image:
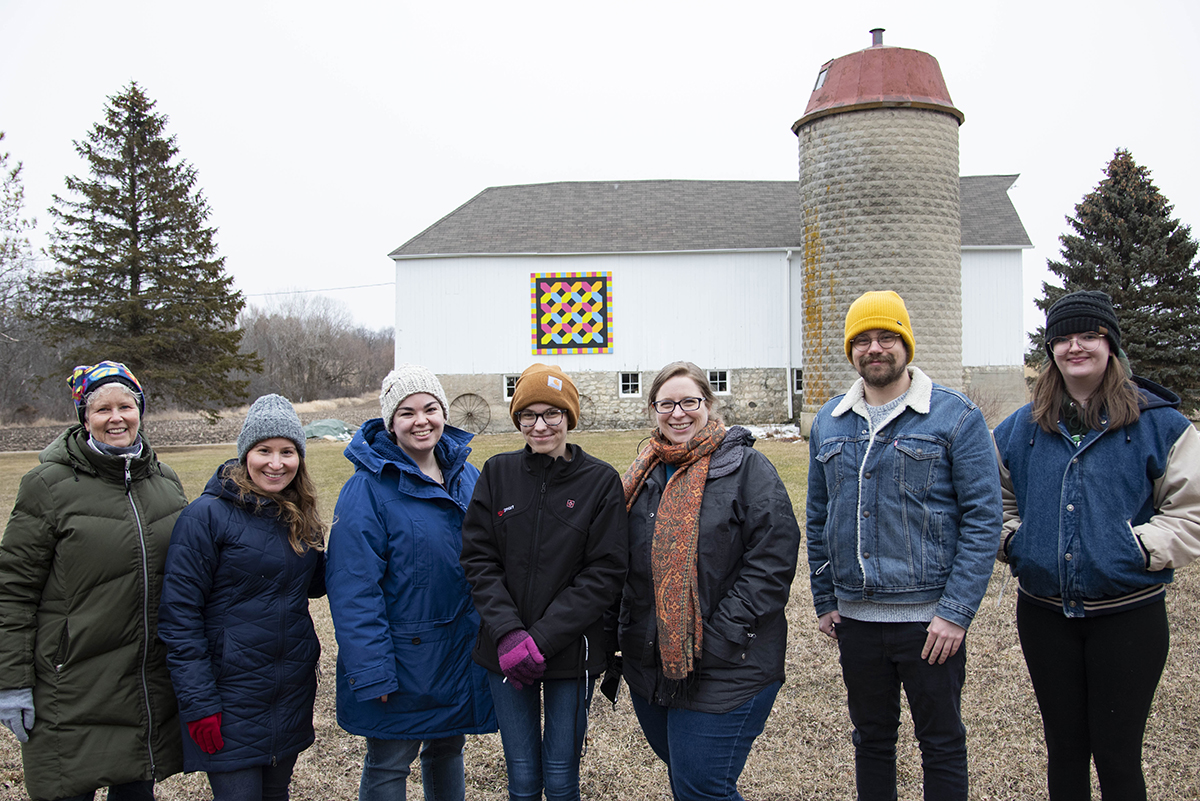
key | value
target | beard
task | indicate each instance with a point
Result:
(880, 371)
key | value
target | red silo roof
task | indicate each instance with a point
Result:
(878, 77)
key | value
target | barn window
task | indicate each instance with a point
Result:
(798, 380)
(631, 385)
(719, 381)
(510, 386)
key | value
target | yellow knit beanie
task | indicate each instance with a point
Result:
(884, 311)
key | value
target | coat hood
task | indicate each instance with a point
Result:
(372, 449)
(727, 458)
(71, 448)
(1155, 395)
(221, 486)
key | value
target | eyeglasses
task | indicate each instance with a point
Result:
(887, 340)
(528, 418)
(668, 406)
(1087, 341)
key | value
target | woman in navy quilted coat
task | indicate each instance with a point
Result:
(245, 557)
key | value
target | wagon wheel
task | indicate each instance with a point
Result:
(470, 413)
(587, 413)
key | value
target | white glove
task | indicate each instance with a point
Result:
(16, 711)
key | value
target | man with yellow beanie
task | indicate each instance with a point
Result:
(904, 517)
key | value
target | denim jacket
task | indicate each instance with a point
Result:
(1103, 523)
(909, 515)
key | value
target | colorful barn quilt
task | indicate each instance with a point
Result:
(572, 312)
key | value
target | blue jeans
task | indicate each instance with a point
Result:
(258, 783)
(704, 751)
(130, 791)
(388, 763)
(877, 658)
(541, 756)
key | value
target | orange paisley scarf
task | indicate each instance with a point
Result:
(673, 549)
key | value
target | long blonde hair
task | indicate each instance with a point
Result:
(297, 506)
(1115, 399)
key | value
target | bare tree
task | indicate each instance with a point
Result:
(23, 355)
(16, 254)
(311, 349)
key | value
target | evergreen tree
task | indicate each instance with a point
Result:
(139, 280)
(1126, 243)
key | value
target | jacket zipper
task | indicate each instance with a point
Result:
(137, 519)
(537, 535)
(287, 580)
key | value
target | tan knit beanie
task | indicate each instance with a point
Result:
(546, 383)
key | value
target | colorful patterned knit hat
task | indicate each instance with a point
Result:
(86, 379)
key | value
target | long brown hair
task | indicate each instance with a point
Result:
(1115, 399)
(297, 506)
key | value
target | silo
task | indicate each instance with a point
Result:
(879, 200)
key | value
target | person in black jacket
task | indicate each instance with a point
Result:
(713, 548)
(544, 549)
(245, 557)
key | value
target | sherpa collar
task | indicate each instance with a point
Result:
(917, 399)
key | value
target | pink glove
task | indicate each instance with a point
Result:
(207, 733)
(520, 659)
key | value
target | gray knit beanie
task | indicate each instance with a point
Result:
(405, 380)
(270, 416)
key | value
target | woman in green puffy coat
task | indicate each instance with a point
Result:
(83, 676)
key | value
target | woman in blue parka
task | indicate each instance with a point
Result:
(401, 605)
(245, 557)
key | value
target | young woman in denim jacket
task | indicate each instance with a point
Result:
(1102, 502)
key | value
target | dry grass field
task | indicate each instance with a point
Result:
(805, 752)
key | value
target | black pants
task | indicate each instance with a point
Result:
(1094, 678)
(877, 660)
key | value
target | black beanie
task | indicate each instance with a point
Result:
(1087, 310)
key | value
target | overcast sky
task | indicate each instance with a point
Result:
(326, 135)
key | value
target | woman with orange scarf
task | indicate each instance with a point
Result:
(713, 544)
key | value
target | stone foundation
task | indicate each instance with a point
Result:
(998, 391)
(756, 396)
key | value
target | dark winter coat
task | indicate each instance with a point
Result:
(747, 549)
(545, 547)
(401, 605)
(80, 576)
(239, 636)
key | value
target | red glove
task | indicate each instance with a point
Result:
(207, 733)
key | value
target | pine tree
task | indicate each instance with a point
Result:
(1126, 243)
(139, 280)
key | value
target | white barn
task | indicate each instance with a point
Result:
(707, 271)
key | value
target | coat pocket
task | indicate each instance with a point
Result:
(916, 464)
(429, 659)
(831, 465)
(64, 645)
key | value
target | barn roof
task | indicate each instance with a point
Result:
(666, 216)
(987, 216)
